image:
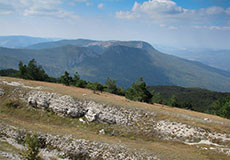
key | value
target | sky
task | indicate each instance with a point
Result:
(176, 23)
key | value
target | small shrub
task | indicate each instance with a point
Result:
(33, 144)
(20, 138)
(12, 104)
(79, 156)
(132, 138)
(1, 135)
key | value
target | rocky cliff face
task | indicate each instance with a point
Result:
(158, 125)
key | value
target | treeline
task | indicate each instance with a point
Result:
(110, 85)
(196, 99)
(32, 71)
(8, 72)
(138, 92)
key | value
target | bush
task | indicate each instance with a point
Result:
(173, 102)
(20, 138)
(95, 86)
(78, 156)
(65, 79)
(221, 107)
(12, 104)
(138, 92)
(33, 144)
(157, 98)
(111, 86)
(81, 83)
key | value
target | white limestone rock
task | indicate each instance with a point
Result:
(63, 105)
(2, 92)
(68, 106)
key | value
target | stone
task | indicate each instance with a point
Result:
(68, 106)
(81, 120)
(102, 131)
(63, 105)
(2, 92)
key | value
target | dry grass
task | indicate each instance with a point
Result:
(8, 148)
(163, 149)
(163, 111)
(40, 121)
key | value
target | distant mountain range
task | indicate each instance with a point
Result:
(21, 41)
(123, 61)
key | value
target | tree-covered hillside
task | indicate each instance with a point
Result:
(124, 62)
(200, 99)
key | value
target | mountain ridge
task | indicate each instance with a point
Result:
(21, 41)
(123, 61)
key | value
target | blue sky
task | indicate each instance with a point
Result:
(177, 23)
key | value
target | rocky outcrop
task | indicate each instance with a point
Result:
(140, 120)
(19, 84)
(68, 106)
(9, 156)
(176, 130)
(95, 150)
(60, 104)
(132, 122)
(2, 92)
(70, 147)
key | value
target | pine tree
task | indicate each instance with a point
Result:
(22, 70)
(173, 102)
(65, 79)
(111, 86)
(139, 92)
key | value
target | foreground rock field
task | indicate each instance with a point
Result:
(103, 126)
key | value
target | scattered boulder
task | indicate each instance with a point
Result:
(2, 92)
(81, 120)
(102, 131)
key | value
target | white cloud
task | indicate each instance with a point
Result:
(88, 4)
(74, 2)
(5, 8)
(50, 8)
(228, 11)
(172, 28)
(5, 12)
(127, 15)
(157, 7)
(212, 28)
(215, 10)
(168, 12)
(152, 9)
(100, 6)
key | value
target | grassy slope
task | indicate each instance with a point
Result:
(36, 120)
